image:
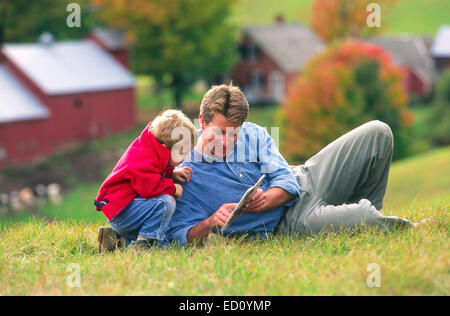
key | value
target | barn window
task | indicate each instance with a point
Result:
(256, 80)
(3, 153)
(78, 103)
(249, 52)
(253, 53)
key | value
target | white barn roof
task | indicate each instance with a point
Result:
(17, 103)
(69, 67)
(289, 45)
(441, 45)
(408, 51)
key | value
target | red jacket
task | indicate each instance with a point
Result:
(142, 171)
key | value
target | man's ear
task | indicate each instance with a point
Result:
(202, 122)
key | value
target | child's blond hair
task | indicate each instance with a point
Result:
(164, 124)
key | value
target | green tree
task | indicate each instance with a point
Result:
(25, 20)
(440, 115)
(176, 42)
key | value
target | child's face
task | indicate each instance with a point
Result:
(179, 154)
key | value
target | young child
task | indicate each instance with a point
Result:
(138, 196)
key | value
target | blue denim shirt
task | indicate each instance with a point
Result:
(216, 181)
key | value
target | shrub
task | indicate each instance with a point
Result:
(440, 116)
(349, 84)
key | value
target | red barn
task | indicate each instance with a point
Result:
(412, 54)
(272, 56)
(57, 93)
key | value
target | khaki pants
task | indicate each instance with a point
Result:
(343, 186)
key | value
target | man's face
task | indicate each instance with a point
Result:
(219, 136)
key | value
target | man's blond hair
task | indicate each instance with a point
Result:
(227, 100)
(164, 124)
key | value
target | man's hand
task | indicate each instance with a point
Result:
(220, 217)
(258, 202)
(178, 191)
(200, 231)
(182, 175)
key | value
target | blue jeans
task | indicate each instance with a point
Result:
(145, 218)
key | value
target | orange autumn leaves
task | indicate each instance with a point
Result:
(333, 19)
(345, 86)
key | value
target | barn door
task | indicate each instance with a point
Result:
(81, 118)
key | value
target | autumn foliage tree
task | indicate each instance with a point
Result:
(25, 20)
(176, 42)
(332, 19)
(349, 84)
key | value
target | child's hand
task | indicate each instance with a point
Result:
(178, 191)
(182, 175)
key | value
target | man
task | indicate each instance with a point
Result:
(342, 187)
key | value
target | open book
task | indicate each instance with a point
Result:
(244, 200)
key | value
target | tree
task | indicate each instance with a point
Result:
(349, 84)
(25, 21)
(176, 42)
(333, 19)
(440, 115)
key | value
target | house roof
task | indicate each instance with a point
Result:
(69, 67)
(289, 45)
(441, 45)
(17, 103)
(408, 51)
(113, 39)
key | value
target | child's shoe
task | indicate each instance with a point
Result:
(109, 240)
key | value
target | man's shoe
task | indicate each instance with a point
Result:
(143, 245)
(109, 240)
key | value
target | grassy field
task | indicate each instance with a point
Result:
(35, 256)
(407, 16)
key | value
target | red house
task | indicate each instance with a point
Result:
(412, 54)
(57, 93)
(272, 56)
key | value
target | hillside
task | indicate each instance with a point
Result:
(407, 16)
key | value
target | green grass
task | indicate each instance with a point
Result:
(418, 16)
(164, 99)
(419, 179)
(35, 256)
(407, 16)
(255, 12)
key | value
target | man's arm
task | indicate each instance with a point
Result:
(283, 187)
(270, 199)
(200, 231)
(262, 201)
